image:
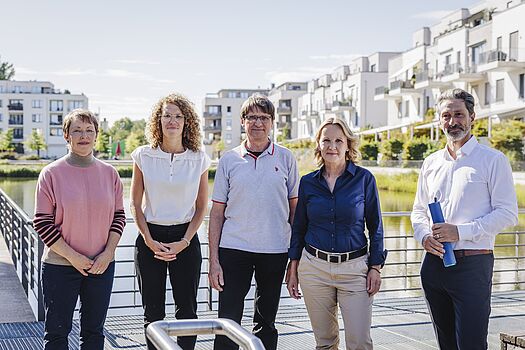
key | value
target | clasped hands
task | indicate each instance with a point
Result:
(166, 251)
(433, 243)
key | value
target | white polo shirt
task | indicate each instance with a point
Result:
(256, 191)
(170, 187)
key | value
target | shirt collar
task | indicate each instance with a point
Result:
(270, 149)
(350, 168)
(465, 150)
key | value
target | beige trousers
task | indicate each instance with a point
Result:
(324, 285)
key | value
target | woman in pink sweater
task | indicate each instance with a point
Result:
(79, 216)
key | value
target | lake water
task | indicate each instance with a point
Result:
(403, 260)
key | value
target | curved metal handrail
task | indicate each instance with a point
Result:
(160, 332)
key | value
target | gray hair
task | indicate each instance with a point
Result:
(456, 94)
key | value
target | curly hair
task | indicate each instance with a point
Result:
(353, 153)
(191, 136)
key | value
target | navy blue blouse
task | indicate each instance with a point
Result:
(335, 222)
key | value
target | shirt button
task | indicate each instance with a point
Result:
(332, 209)
(331, 222)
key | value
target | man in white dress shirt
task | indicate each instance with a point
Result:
(473, 183)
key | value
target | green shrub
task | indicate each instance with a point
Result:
(9, 155)
(416, 148)
(30, 157)
(391, 149)
(369, 150)
(507, 137)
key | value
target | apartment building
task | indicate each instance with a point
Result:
(479, 49)
(221, 118)
(285, 98)
(346, 93)
(35, 105)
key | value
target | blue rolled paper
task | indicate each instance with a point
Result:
(437, 217)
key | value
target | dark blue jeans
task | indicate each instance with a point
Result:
(61, 287)
(238, 269)
(458, 298)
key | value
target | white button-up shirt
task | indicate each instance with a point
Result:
(476, 193)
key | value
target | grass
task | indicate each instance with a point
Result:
(398, 182)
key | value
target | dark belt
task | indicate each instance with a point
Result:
(461, 253)
(338, 257)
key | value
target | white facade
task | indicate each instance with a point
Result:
(346, 93)
(285, 98)
(34, 105)
(480, 49)
(221, 118)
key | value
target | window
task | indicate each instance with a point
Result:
(373, 68)
(0, 103)
(475, 53)
(487, 93)
(36, 104)
(75, 104)
(16, 119)
(56, 105)
(35, 89)
(419, 105)
(18, 133)
(513, 46)
(18, 89)
(499, 43)
(458, 58)
(447, 60)
(38, 130)
(356, 124)
(499, 90)
(55, 131)
(37, 118)
(522, 85)
(244, 95)
(228, 138)
(407, 108)
(214, 109)
(232, 94)
(1, 117)
(228, 109)
(228, 124)
(399, 113)
(55, 119)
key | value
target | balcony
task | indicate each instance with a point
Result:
(340, 106)
(212, 127)
(498, 61)
(284, 110)
(15, 107)
(16, 121)
(425, 80)
(382, 93)
(212, 115)
(456, 73)
(402, 87)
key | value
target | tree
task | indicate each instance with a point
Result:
(102, 144)
(6, 141)
(7, 71)
(507, 137)
(134, 140)
(121, 129)
(391, 149)
(36, 142)
(219, 147)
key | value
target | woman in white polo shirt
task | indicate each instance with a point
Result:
(169, 194)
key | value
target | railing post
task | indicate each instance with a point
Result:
(24, 256)
(41, 312)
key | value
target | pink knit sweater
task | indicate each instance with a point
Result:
(81, 205)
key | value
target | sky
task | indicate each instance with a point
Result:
(125, 55)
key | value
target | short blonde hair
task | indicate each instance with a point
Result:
(191, 136)
(353, 153)
(82, 114)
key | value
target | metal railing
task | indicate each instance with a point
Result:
(160, 332)
(400, 275)
(381, 90)
(492, 56)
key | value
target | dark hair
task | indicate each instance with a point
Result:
(456, 94)
(258, 102)
(82, 114)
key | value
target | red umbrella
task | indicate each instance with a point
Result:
(118, 152)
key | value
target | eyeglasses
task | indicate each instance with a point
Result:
(254, 118)
(79, 133)
(177, 118)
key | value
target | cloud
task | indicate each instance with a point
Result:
(24, 70)
(432, 15)
(348, 57)
(135, 62)
(75, 72)
(300, 74)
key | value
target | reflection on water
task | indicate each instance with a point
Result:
(403, 259)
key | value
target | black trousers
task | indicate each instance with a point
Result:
(184, 273)
(238, 268)
(458, 299)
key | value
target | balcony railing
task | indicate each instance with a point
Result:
(212, 128)
(56, 109)
(212, 114)
(492, 56)
(15, 107)
(347, 103)
(401, 84)
(423, 76)
(16, 121)
(382, 90)
(284, 109)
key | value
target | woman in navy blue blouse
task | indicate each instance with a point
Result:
(331, 257)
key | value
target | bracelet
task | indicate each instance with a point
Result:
(186, 240)
(374, 268)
